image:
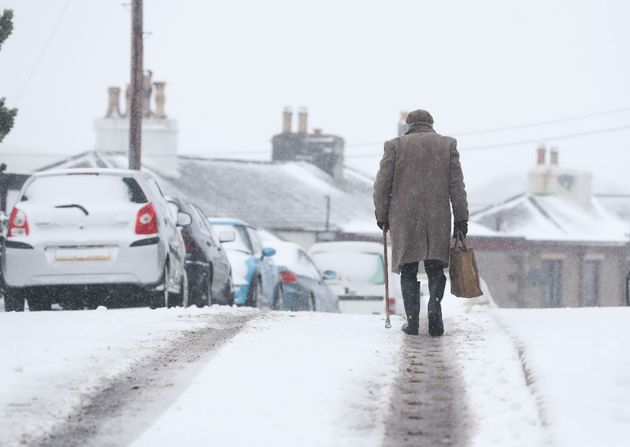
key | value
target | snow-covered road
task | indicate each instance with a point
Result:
(239, 377)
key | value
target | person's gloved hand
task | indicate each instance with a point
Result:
(383, 225)
(460, 226)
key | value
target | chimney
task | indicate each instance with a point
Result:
(287, 117)
(127, 101)
(317, 132)
(554, 156)
(113, 106)
(160, 99)
(402, 124)
(542, 154)
(302, 120)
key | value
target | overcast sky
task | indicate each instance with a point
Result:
(232, 66)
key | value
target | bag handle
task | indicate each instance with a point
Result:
(459, 237)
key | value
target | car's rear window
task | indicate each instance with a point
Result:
(85, 188)
(352, 266)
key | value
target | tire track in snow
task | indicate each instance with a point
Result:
(428, 403)
(126, 406)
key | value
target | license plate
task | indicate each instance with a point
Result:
(82, 254)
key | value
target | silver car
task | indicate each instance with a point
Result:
(90, 230)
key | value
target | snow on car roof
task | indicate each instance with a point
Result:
(227, 221)
(374, 247)
(86, 171)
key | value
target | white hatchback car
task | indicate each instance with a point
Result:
(355, 273)
(89, 230)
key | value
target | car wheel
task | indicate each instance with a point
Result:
(228, 292)
(206, 296)
(255, 292)
(279, 299)
(311, 303)
(181, 298)
(39, 303)
(13, 301)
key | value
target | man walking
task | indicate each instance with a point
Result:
(420, 177)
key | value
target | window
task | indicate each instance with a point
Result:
(253, 237)
(84, 189)
(590, 282)
(310, 269)
(552, 283)
(241, 241)
(352, 266)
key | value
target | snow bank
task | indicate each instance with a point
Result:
(579, 364)
(50, 361)
(287, 379)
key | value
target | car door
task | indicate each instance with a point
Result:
(168, 220)
(325, 299)
(220, 263)
(267, 268)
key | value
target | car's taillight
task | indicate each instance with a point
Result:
(288, 277)
(391, 303)
(18, 224)
(146, 221)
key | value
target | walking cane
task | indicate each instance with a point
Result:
(387, 322)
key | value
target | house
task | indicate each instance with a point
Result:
(555, 245)
(304, 194)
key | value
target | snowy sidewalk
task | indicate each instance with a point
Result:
(578, 363)
(51, 363)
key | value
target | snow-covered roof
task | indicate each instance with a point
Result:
(276, 195)
(552, 218)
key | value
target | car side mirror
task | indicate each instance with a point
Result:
(227, 236)
(329, 275)
(183, 219)
(268, 252)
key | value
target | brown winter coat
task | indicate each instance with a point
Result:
(419, 178)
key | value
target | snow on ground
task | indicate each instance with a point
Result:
(51, 360)
(289, 379)
(579, 363)
(503, 411)
(532, 377)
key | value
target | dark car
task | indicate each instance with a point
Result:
(207, 266)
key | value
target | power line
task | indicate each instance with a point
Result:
(543, 123)
(517, 126)
(42, 53)
(521, 142)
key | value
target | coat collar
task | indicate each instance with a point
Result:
(419, 127)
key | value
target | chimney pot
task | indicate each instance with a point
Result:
(113, 106)
(303, 120)
(554, 157)
(287, 117)
(160, 99)
(542, 154)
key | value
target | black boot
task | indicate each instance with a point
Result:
(437, 283)
(411, 297)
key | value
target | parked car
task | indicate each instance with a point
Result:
(207, 265)
(76, 234)
(355, 272)
(254, 273)
(303, 286)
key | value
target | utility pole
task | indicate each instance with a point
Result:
(135, 114)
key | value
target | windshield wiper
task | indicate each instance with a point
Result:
(74, 205)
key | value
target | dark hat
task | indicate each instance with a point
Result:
(419, 116)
